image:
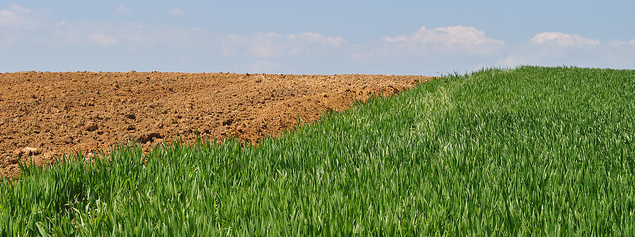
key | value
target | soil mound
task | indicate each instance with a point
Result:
(45, 114)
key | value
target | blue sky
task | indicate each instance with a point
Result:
(314, 37)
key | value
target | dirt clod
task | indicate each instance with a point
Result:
(26, 151)
(149, 137)
(91, 126)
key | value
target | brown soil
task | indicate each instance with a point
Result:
(43, 114)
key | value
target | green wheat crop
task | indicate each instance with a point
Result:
(526, 151)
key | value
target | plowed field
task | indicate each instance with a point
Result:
(44, 114)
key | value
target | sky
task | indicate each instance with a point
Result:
(314, 37)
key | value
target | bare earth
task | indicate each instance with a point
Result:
(43, 114)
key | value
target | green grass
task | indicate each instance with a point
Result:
(529, 151)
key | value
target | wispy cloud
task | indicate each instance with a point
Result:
(16, 24)
(129, 36)
(17, 17)
(272, 44)
(12, 17)
(318, 38)
(560, 39)
(460, 38)
(622, 53)
(558, 48)
(619, 43)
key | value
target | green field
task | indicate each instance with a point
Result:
(526, 151)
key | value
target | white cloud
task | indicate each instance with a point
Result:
(17, 17)
(563, 40)
(16, 25)
(9, 18)
(270, 45)
(122, 9)
(449, 39)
